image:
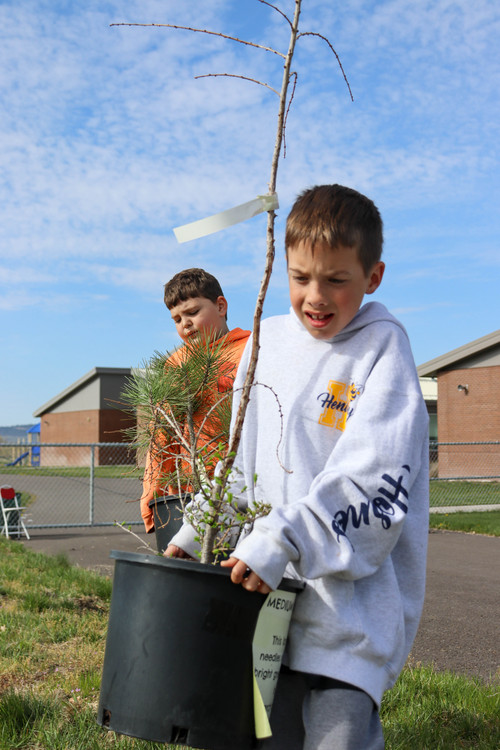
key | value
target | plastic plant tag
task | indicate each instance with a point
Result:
(219, 221)
(268, 644)
(262, 726)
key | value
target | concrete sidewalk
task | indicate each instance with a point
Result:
(89, 547)
(459, 626)
(463, 508)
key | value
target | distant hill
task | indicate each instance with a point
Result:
(11, 434)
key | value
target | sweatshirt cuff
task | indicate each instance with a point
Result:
(185, 539)
(263, 556)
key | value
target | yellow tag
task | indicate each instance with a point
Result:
(262, 726)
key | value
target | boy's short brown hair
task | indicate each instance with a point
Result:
(337, 215)
(193, 282)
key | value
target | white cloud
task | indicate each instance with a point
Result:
(400, 311)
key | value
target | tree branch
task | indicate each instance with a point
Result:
(234, 75)
(275, 7)
(320, 36)
(204, 31)
(295, 77)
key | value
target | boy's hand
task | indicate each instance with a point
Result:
(242, 574)
(173, 551)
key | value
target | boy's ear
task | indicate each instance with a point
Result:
(375, 277)
(222, 305)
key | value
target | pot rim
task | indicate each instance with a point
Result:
(162, 499)
(286, 584)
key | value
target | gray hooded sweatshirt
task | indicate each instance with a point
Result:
(336, 434)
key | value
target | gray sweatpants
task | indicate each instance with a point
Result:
(305, 718)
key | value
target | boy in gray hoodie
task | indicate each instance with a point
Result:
(345, 467)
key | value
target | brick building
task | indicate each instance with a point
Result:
(468, 407)
(88, 411)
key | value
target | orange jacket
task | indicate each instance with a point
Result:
(160, 465)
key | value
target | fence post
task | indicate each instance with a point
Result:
(92, 464)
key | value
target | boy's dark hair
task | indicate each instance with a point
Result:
(193, 282)
(337, 215)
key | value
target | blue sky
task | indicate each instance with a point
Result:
(107, 142)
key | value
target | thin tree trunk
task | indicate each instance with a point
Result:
(218, 490)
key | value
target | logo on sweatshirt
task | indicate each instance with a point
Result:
(337, 403)
(392, 497)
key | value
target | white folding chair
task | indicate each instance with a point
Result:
(12, 513)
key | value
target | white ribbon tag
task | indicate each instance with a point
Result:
(216, 222)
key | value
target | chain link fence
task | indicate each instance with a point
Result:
(464, 474)
(99, 484)
(74, 484)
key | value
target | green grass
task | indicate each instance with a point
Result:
(429, 710)
(450, 492)
(126, 470)
(442, 492)
(44, 723)
(53, 621)
(477, 522)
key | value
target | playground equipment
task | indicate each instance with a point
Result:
(19, 459)
(28, 449)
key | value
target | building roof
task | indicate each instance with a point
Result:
(77, 385)
(457, 356)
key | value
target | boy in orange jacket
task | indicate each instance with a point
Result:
(197, 306)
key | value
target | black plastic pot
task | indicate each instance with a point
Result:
(167, 516)
(178, 662)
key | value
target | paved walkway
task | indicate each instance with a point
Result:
(459, 626)
(67, 500)
(463, 508)
(89, 547)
